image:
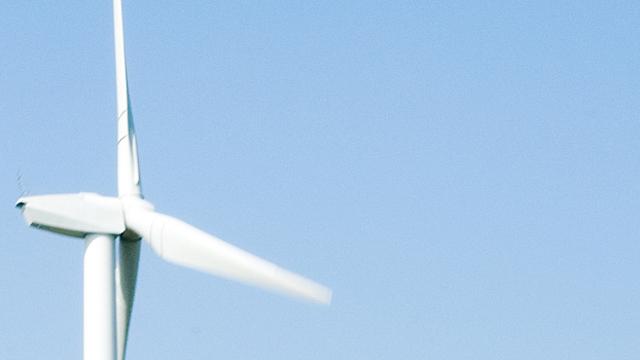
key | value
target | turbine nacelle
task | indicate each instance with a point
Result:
(74, 215)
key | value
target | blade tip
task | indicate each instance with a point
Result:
(324, 297)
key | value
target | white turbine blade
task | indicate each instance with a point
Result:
(128, 169)
(125, 281)
(183, 244)
(128, 185)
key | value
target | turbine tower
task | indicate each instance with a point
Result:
(103, 222)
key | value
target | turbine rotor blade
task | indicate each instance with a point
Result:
(182, 244)
(125, 281)
(128, 168)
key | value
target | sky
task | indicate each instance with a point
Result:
(463, 175)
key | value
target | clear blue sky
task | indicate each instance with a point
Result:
(465, 176)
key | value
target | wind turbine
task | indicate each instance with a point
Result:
(103, 221)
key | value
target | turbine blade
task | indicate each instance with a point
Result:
(126, 276)
(128, 169)
(183, 244)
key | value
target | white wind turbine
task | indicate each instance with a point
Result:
(109, 284)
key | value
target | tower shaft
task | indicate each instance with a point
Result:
(99, 330)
